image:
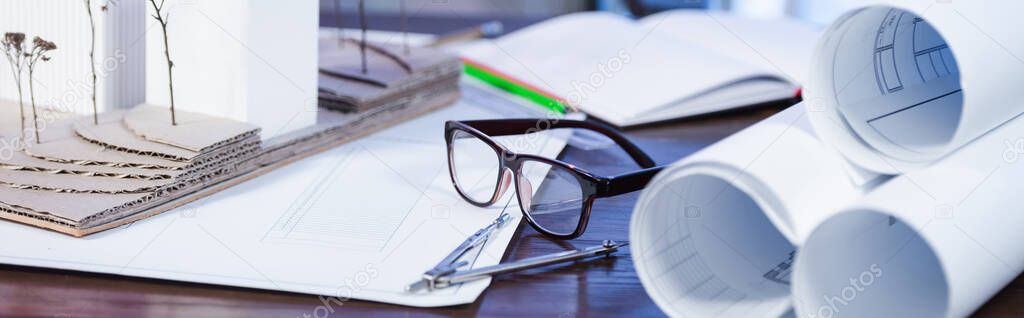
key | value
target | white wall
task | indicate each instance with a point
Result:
(65, 82)
(249, 60)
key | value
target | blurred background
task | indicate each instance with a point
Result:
(440, 16)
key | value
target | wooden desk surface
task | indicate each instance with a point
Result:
(606, 287)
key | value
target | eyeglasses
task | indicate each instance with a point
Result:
(482, 170)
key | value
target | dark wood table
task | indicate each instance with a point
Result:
(605, 287)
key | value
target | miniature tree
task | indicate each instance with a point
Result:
(38, 53)
(92, 54)
(161, 17)
(92, 60)
(14, 50)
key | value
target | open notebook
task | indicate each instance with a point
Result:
(666, 66)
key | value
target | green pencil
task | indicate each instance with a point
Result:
(516, 87)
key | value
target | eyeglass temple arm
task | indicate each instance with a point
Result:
(504, 127)
(626, 183)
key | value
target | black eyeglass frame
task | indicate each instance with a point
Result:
(593, 186)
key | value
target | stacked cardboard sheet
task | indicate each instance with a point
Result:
(394, 75)
(83, 177)
(82, 174)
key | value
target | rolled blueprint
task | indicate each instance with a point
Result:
(897, 85)
(938, 241)
(714, 234)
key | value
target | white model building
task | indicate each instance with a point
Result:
(248, 60)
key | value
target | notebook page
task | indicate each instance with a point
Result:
(607, 65)
(776, 46)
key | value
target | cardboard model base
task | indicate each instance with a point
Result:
(84, 178)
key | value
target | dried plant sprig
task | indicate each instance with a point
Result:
(39, 51)
(92, 59)
(14, 49)
(92, 53)
(161, 17)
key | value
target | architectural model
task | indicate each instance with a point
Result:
(246, 99)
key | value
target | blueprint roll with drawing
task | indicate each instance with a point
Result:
(938, 241)
(897, 85)
(714, 233)
(889, 192)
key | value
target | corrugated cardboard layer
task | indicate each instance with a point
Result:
(66, 183)
(72, 206)
(63, 205)
(59, 142)
(392, 96)
(33, 184)
(81, 152)
(194, 132)
(112, 133)
(19, 161)
(392, 73)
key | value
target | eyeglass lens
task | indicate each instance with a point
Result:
(558, 204)
(475, 167)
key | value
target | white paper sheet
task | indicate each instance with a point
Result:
(360, 221)
(954, 242)
(714, 234)
(899, 84)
